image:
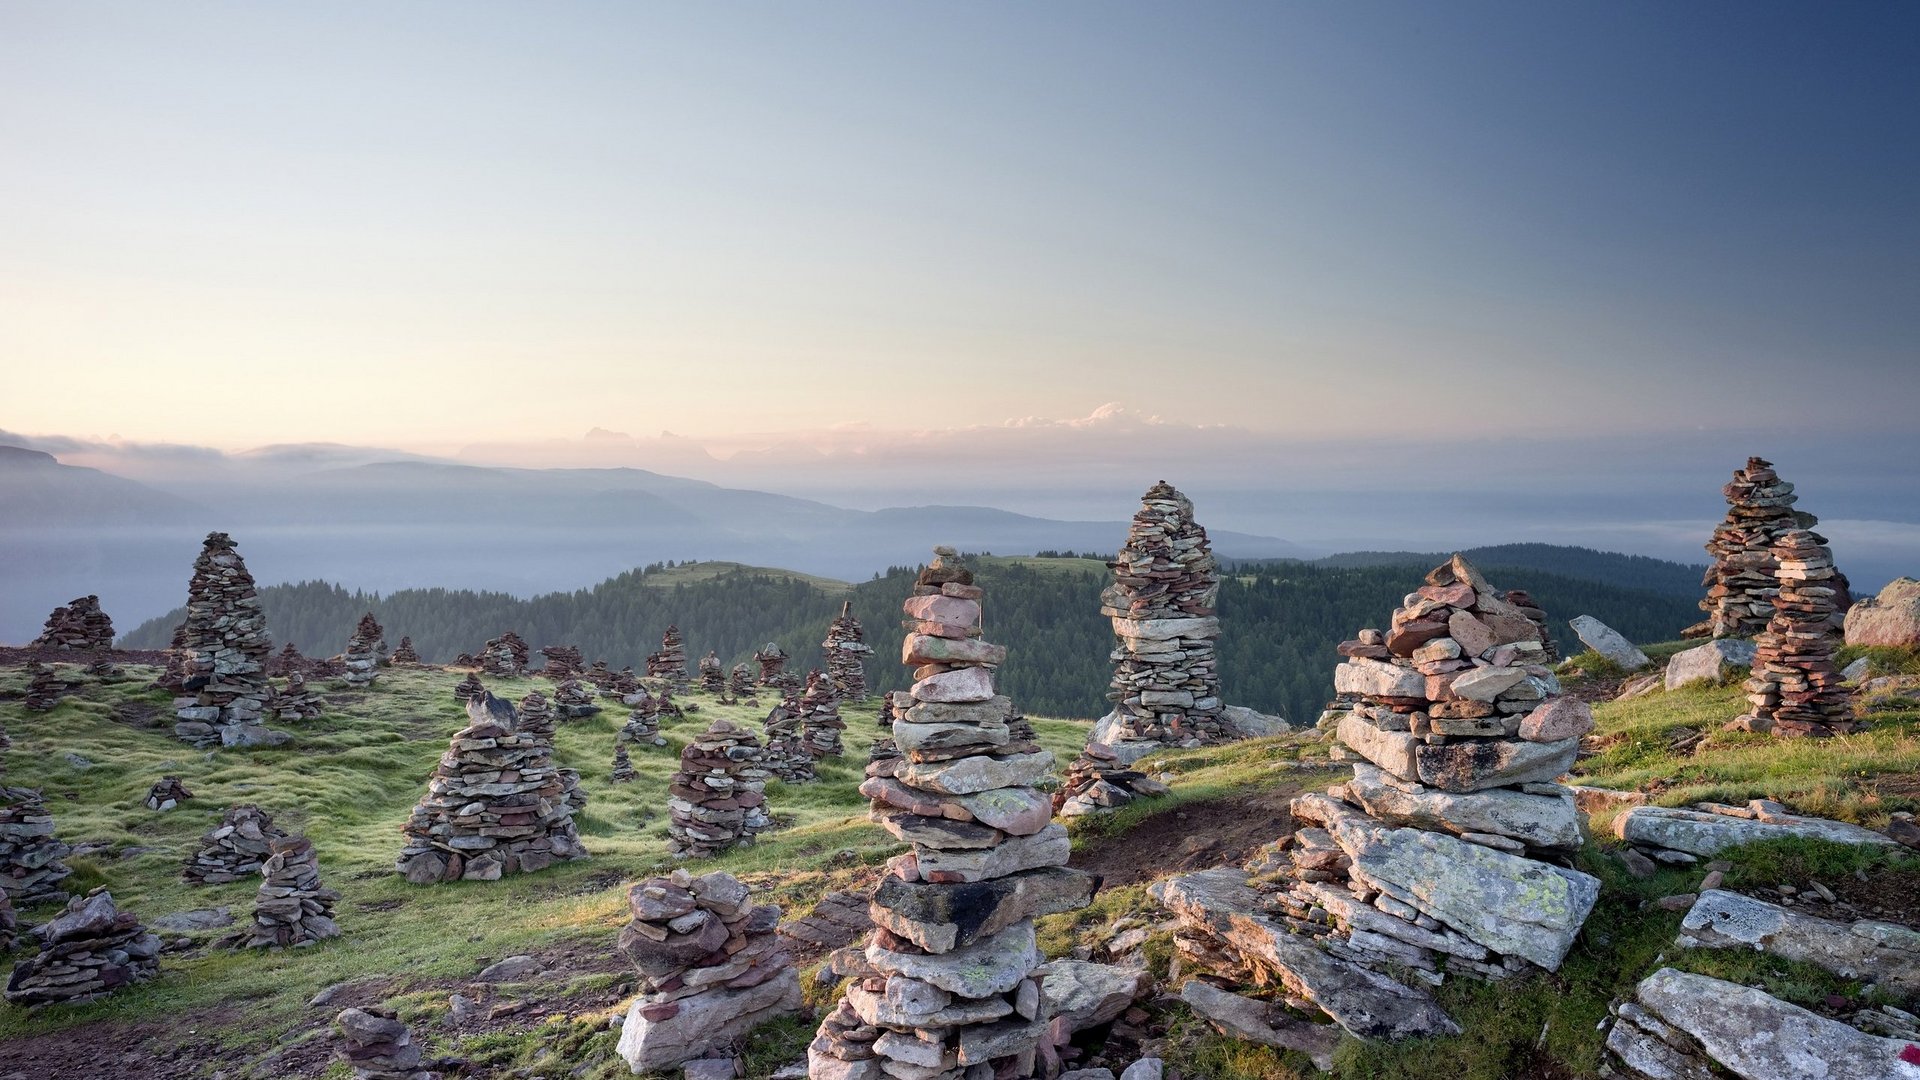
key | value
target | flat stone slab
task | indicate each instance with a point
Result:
(1089, 994)
(1256, 1021)
(1608, 642)
(1699, 833)
(1881, 952)
(705, 1022)
(1546, 821)
(1757, 1036)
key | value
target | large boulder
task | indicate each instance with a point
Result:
(1709, 663)
(1244, 723)
(1609, 643)
(1882, 952)
(1892, 618)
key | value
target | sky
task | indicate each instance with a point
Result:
(490, 229)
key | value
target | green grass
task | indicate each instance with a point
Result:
(691, 572)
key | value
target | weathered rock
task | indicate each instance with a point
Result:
(1609, 643)
(941, 918)
(1544, 821)
(1088, 995)
(1471, 765)
(1706, 835)
(1891, 618)
(1884, 953)
(1258, 1022)
(1710, 663)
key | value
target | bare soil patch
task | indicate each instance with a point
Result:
(1192, 836)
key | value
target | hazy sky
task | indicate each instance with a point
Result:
(428, 225)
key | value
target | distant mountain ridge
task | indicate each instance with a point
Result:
(1627, 571)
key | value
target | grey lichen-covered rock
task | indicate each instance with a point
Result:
(1089, 994)
(994, 965)
(1699, 833)
(1547, 821)
(1258, 1022)
(1710, 663)
(1609, 643)
(1241, 722)
(704, 1021)
(1882, 952)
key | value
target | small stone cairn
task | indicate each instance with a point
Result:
(1796, 689)
(740, 681)
(235, 849)
(573, 700)
(173, 677)
(79, 627)
(504, 656)
(292, 910)
(227, 645)
(670, 663)
(9, 923)
(786, 753)
(947, 986)
(1166, 685)
(366, 651)
(476, 824)
(711, 968)
(31, 869)
(1741, 583)
(167, 793)
(87, 951)
(563, 662)
(287, 661)
(405, 656)
(627, 687)
(469, 688)
(376, 1046)
(45, 688)
(713, 674)
(297, 701)
(772, 660)
(643, 726)
(847, 649)
(820, 723)
(1097, 783)
(601, 676)
(623, 771)
(718, 798)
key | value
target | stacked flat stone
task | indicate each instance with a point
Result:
(627, 688)
(405, 656)
(173, 677)
(1523, 602)
(573, 700)
(167, 793)
(475, 822)
(1166, 683)
(820, 723)
(892, 706)
(786, 752)
(505, 656)
(623, 771)
(663, 704)
(670, 663)
(44, 687)
(286, 661)
(1097, 782)
(468, 689)
(87, 951)
(1431, 856)
(847, 650)
(297, 701)
(1796, 688)
(9, 923)
(31, 869)
(1741, 583)
(563, 662)
(643, 726)
(947, 988)
(711, 968)
(602, 677)
(376, 1046)
(772, 659)
(366, 651)
(235, 849)
(718, 798)
(292, 909)
(713, 674)
(227, 644)
(740, 681)
(79, 627)
(536, 718)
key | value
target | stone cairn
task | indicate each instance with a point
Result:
(227, 645)
(287, 661)
(87, 951)
(772, 660)
(713, 676)
(45, 688)
(366, 651)
(235, 849)
(573, 700)
(718, 798)
(1432, 854)
(563, 662)
(786, 753)
(643, 725)
(468, 689)
(711, 968)
(167, 793)
(376, 1046)
(79, 627)
(173, 677)
(1523, 602)
(476, 824)
(1097, 782)
(297, 701)
(1166, 687)
(820, 723)
(740, 681)
(1741, 582)
(670, 663)
(623, 771)
(405, 656)
(9, 923)
(947, 987)
(625, 686)
(603, 677)
(292, 910)
(847, 649)
(505, 656)
(1796, 689)
(30, 854)
(536, 720)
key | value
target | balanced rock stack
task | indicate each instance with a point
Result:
(949, 988)
(711, 968)
(79, 627)
(1741, 582)
(366, 651)
(30, 854)
(643, 726)
(847, 650)
(625, 686)
(772, 660)
(1166, 685)
(505, 656)
(1523, 602)
(670, 663)
(495, 804)
(297, 701)
(376, 1046)
(820, 723)
(1097, 783)
(235, 849)
(1796, 689)
(287, 661)
(573, 700)
(623, 771)
(9, 923)
(563, 662)
(718, 798)
(173, 677)
(740, 681)
(468, 689)
(786, 753)
(89, 950)
(167, 793)
(405, 656)
(44, 687)
(601, 677)
(226, 642)
(292, 910)
(713, 674)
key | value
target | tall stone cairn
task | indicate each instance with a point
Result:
(505, 656)
(1457, 736)
(226, 642)
(468, 689)
(286, 661)
(377, 1046)
(786, 752)
(1741, 583)
(947, 988)
(9, 923)
(847, 649)
(45, 687)
(820, 723)
(711, 968)
(405, 656)
(235, 849)
(643, 725)
(1796, 689)
(366, 651)
(292, 909)
(79, 627)
(718, 798)
(1166, 686)
(476, 824)
(740, 681)
(670, 663)
(713, 674)
(622, 771)
(173, 677)
(772, 660)
(87, 951)
(563, 662)
(31, 869)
